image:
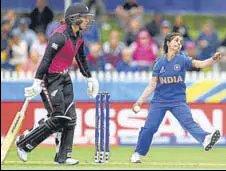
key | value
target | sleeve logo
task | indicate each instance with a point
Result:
(162, 70)
(54, 46)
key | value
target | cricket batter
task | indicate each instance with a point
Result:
(52, 81)
(170, 94)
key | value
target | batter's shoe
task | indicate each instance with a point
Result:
(20, 152)
(211, 139)
(69, 161)
(135, 158)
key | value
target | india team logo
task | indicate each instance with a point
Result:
(177, 67)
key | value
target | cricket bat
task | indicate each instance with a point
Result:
(13, 131)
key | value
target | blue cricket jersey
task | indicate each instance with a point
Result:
(171, 76)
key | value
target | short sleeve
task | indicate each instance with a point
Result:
(188, 62)
(156, 69)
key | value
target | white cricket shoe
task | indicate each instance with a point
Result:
(21, 153)
(135, 158)
(211, 139)
(69, 161)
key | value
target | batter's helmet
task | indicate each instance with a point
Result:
(74, 13)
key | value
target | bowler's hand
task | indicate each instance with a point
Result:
(34, 90)
(136, 107)
(93, 87)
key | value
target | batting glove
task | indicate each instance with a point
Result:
(217, 56)
(93, 87)
(34, 90)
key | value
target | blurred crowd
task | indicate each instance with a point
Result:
(23, 39)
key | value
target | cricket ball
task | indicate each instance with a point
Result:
(136, 109)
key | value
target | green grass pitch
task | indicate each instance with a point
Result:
(158, 158)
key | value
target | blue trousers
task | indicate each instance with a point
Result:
(157, 111)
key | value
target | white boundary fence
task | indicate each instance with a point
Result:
(116, 76)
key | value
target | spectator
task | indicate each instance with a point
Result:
(164, 30)
(153, 26)
(25, 33)
(41, 16)
(11, 16)
(91, 35)
(207, 41)
(5, 37)
(180, 27)
(40, 45)
(112, 48)
(96, 59)
(223, 42)
(128, 10)
(5, 33)
(126, 64)
(160, 51)
(97, 8)
(191, 51)
(144, 50)
(32, 63)
(221, 65)
(18, 51)
(131, 35)
(54, 24)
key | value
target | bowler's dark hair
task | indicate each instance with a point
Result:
(168, 38)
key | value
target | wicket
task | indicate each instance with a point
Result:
(102, 127)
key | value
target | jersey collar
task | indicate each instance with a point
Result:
(72, 34)
(172, 58)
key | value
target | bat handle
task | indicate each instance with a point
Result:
(25, 105)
